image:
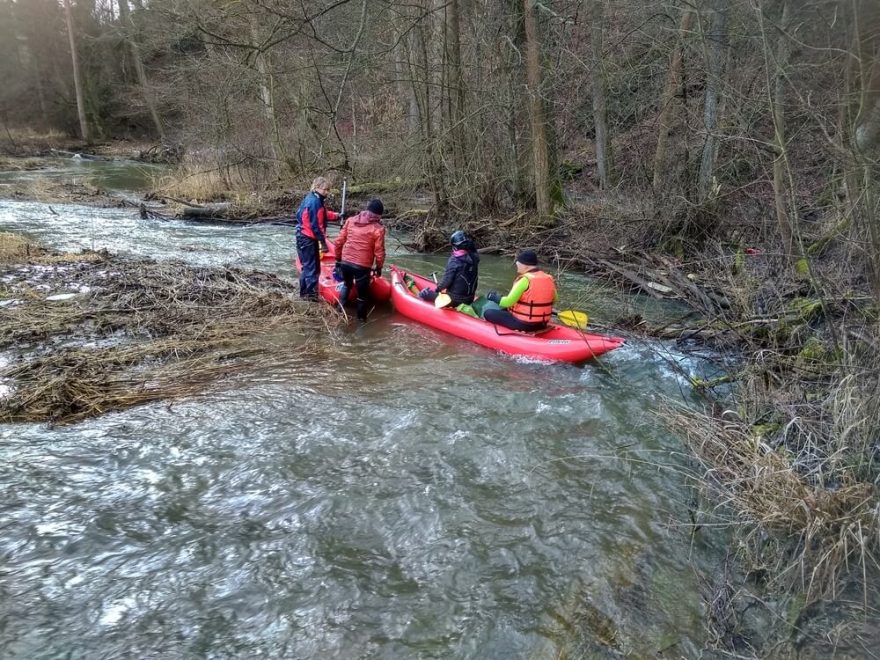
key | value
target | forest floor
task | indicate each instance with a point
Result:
(787, 439)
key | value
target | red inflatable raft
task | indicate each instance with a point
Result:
(328, 285)
(558, 342)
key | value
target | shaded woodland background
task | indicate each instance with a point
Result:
(766, 111)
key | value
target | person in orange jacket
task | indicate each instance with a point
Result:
(529, 304)
(360, 244)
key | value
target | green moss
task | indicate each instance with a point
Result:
(762, 431)
(739, 261)
(802, 267)
(795, 607)
(813, 349)
(807, 309)
(568, 170)
(375, 187)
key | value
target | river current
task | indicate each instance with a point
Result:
(391, 493)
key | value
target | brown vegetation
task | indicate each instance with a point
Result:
(136, 331)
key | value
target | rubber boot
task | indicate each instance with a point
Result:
(362, 310)
(343, 295)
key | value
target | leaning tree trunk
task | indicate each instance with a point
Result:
(77, 81)
(537, 119)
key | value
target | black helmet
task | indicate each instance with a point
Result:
(458, 239)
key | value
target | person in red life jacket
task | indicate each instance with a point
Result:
(360, 244)
(311, 226)
(461, 274)
(529, 304)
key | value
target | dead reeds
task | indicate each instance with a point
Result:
(137, 331)
(806, 484)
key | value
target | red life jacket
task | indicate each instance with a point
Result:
(535, 305)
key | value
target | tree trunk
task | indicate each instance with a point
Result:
(867, 41)
(456, 85)
(715, 67)
(403, 67)
(537, 120)
(77, 82)
(423, 89)
(128, 23)
(265, 84)
(673, 80)
(781, 173)
(863, 130)
(600, 119)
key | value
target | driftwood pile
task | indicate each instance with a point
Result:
(124, 332)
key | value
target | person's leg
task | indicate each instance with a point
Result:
(307, 249)
(348, 275)
(505, 318)
(364, 299)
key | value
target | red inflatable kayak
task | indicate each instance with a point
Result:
(558, 342)
(328, 285)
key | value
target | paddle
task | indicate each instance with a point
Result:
(572, 318)
(442, 300)
(342, 206)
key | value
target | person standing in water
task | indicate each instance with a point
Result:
(311, 238)
(360, 244)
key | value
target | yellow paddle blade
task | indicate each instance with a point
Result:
(574, 319)
(442, 300)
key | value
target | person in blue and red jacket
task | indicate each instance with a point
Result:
(311, 227)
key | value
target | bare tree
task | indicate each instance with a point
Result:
(131, 38)
(673, 82)
(537, 118)
(716, 41)
(77, 82)
(600, 115)
(776, 68)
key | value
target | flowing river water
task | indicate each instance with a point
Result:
(395, 494)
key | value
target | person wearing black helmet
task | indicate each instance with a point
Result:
(461, 274)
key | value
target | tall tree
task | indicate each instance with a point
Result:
(77, 81)
(131, 37)
(716, 43)
(667, 105)
(537, 118)
(777, 70)
(600, 114)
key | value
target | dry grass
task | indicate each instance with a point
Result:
(803, 474)
(143, 331)
(15, 248)
(17, 139)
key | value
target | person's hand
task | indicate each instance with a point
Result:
(324, 247)
(493, 296)
(377, 271)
